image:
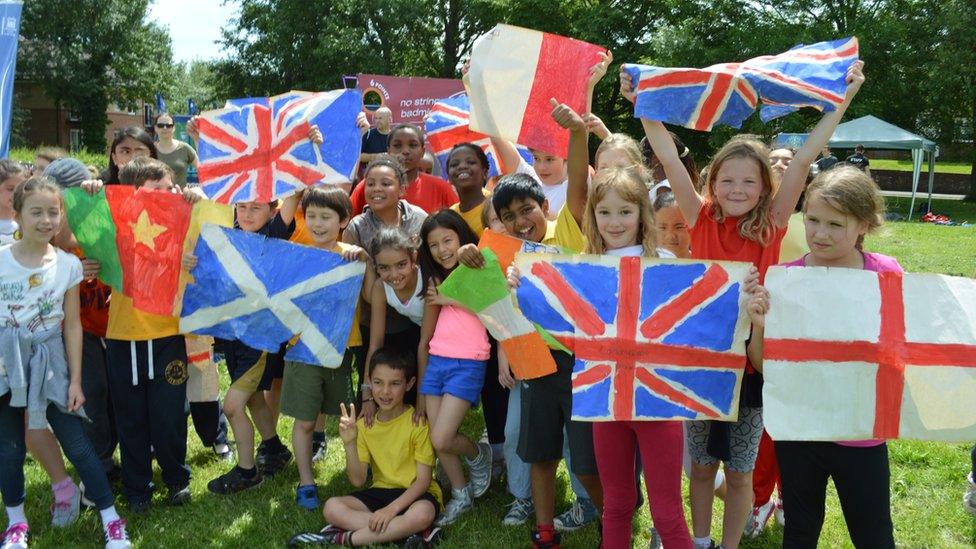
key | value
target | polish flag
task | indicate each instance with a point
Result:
(513, 74)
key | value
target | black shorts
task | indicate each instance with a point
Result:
(250, 370)
(377, 498)
(547, 407)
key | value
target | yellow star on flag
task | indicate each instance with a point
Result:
(145, 231)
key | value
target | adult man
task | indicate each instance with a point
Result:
(374, 140)
(858, 160)
(827, 160)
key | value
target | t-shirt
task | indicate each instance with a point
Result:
(179, 160)
(638, 250)
(364, 227)
(274, 228)
(859, 161)
(878, 263)
(565, 232)
(8, 227)
(375, 141)
(722, 241)
(413, 309)
(33, 298)
(427, 192)
(473, 216)
(394, 448)
(459, 334)
(301, 235)
(827, 162)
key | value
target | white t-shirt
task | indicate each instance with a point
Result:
(34, 298)
(414, 307)
(555, 194)
(7, 229)
(631, 251)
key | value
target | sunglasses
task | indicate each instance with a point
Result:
(162, 125)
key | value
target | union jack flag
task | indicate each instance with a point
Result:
(653, 339)
(446, 125)
(257, 149)
(805, 76)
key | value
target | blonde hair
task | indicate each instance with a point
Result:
(757, 224)
(629, 186)
(631, 150)
(851, 192)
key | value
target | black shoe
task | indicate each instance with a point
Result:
(329, 535)
(233, 481)
(423, 540)
(179, 495)
(139, 507)
(272, 461)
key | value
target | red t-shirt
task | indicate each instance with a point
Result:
(722, 241)
(427, 192)
(94, 304)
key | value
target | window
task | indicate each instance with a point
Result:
(74, 139)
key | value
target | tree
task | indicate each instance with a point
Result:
(99, 51)
(194, 80)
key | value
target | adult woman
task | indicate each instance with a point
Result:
(174, 153)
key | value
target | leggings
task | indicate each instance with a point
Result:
(494, 399)
(861, 476)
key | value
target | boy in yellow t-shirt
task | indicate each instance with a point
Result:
(403, 499)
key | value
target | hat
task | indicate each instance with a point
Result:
(67, 172)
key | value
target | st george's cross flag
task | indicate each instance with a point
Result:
(653, 339)
(728, 93)
(257, 149)
(265, 291)
(851, 354)
(514, 73)
(446, 125)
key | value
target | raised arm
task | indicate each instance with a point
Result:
(288, 208)
(579, 158)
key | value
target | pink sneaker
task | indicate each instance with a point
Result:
(758, 519)
(16, 536)
(115, 535)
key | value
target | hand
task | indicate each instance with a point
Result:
(76, 397)
(751, 283)
(368, 413)
(189, 261)
(420, 412)
(595, 126)
(600, 69)
(92, 186)
(193, 195)
(626, 85)
(433, 297)
(855, 78)
(565, 116)
(513, 276)
(192, 130)
(758, 306)
(90, 268)
(362, 123)
(314, 135)
(379, 520)
(347, 423)
(470, 256)
(355, 253)
(505, 378)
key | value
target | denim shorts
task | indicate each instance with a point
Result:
(458, 377)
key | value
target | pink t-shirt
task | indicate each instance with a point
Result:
(459, 334)
(878, 263)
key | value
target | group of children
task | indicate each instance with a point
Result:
(423, 360)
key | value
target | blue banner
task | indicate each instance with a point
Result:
(9, 33)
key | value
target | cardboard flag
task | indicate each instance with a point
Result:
(654, 339)
(506, 247)
(257, 149)
(203, 382)
(515, 72)
(728, 93)
(264, 291)
(446, 125)
(485, 291)
(851, 354)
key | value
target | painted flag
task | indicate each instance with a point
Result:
(203, 382)
(851, 354)
(257, 149)
(728, 93)
(485, 292)
(506, 247)
(653, 339)
(515, 72)
(265, 291)
(9, 39)
(446, 125)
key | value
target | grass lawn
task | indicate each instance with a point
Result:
(927, 478)
(906, 166)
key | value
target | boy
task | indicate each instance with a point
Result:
(403, 499)
(308, 390)
(552, 175)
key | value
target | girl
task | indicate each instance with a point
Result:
(130, 143)
(618, 222)
(742, 217)
(672, 231)
(842, 206)
(451, 364)
(175, 153)
(43, 360)
(467, 171)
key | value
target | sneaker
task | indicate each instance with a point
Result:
(307, 497)
(319, 450)
(65, 513)
(780, 514)
(233, 481)
(758, 519)
(328, 535)
(461, 502)
(179, 495)
(83, 498)
(271, 461)
(579, 515)
(479, 470)
(223, 452)
(16, 536)
(115, 535)
(969, 499)
(538, 543)
(519, 511)
(423, 540)
(655, 542)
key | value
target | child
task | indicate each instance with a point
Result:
(842, 206)
(467, 170)
(743, 218)
(308, 390)
(618, 222)
(132, 142)
(403, 499)
(41, 353)
(429, 193)
(451, 364)
(552, 172)
(11, 175)
(44, 156)
(672, 231)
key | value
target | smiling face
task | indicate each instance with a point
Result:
(550, 169)
(383, 189)
(617, 220)
(525, 218)
(39, 217)
(738, 185)
(405, 144)
(396, 268)
(251, 216)
(324, 225)
(443, 244)
(779, 160)
(388, 386)
(465, 171)
(672, 231)
(127, 149)
(164, 126)
(832, 235)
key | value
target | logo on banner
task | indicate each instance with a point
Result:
(10, 26)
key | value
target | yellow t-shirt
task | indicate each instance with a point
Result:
(394, 448)
(473, 216)
(794, 244)
(301, 235)
(565, 232)
(127, 323)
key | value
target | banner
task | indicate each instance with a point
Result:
(9, 34)
(409, 98)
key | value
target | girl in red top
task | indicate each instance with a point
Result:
(742, 217)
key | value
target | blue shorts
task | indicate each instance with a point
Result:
(459, 377)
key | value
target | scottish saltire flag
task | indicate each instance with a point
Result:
(446, 125)
(851, 354)
(728, 93)
(257, 149)
(265, 291)
(653, 339)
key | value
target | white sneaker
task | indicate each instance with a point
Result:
(969, 499)
(461, 502)
(756, 522)
(115, 535)
(15, 537)
(479, 470)
(519, 512)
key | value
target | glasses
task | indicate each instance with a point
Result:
(161, 125)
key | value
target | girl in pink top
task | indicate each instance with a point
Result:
(842, 206)
(451, 363)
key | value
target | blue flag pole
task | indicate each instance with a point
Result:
(9, 34)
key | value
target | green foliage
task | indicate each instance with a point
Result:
(26, 155)
(194, 80)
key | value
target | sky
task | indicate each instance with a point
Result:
(194, 26)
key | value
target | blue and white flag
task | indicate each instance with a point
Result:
(160, 104)
(191, 107)
(265, 291)
(9, 33)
